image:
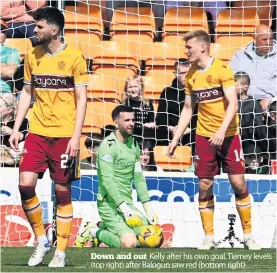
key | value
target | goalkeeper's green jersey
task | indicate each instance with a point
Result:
(118, 164)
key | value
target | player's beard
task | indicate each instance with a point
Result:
(43, 41)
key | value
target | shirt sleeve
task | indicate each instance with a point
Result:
(14, 57)
(105, 161)
(27, 70)
(227, 77)
(80, 72)
(140, 181)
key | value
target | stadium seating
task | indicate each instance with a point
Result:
(83, 16)
(264, 9)
(173, 39)
(98, 115)
(152, 87)
(114, 54)
(163, 77)
(237, 21)
(103, 87)
(222, 52)
(163, 56)
(133, 19)
(82, 39)
(183, 19)
(181, 162)
(21, 44)
(234, 41)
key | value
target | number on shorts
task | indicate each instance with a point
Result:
(64, 159)
(239, 155)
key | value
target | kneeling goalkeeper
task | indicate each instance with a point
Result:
(118, 163)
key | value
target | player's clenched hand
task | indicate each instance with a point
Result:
(151, 215)
(171, 149)
(132, 217)
(73, 147)
(14, 139)
(218, 138)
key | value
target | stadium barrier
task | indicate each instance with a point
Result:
(176, 205)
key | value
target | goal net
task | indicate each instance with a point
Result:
(138, 45)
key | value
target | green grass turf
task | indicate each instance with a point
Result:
(14, 259)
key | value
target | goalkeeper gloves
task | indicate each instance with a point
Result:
(151, 215)
(132, 217)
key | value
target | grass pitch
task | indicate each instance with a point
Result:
(14, 259)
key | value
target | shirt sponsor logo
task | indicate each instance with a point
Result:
(52, 82)
(124, 164)
(107, 158)
(211, 94)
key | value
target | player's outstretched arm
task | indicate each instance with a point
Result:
(73, 146)
(23, 107)
(184, 120)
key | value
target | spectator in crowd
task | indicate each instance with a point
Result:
(10, 60)
(18, 15)
(255, 161)
(144, 110)
(252, 126)
(171, 103)
(258, 60)
(92, 143)
(272, 130)
(8, 107)
(147, 158)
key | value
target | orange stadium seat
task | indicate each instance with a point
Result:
(136, 25)
(103, 87)
(223, 52)
(164, 77)
(82, 39)
(152, 87)
(183, 19)
(174, 39)
(114, 54)
(234, 41)
(98, 115)
(163, 55)
(83, 16)
(21, 44)
(121, 75)
(181, 162)
(133, 19)
(237, 21)
(264, 9)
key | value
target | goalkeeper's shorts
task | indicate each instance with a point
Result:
(114, 220)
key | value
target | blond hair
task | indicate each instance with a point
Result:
(125, 95)
(200, 35)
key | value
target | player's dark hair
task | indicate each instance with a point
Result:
(52, 15)
(243, 77)
(181, 61)
(121, 109)
(199, 34)
(93, 141)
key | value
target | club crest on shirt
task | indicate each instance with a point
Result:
(211, 80)
(61, 65)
